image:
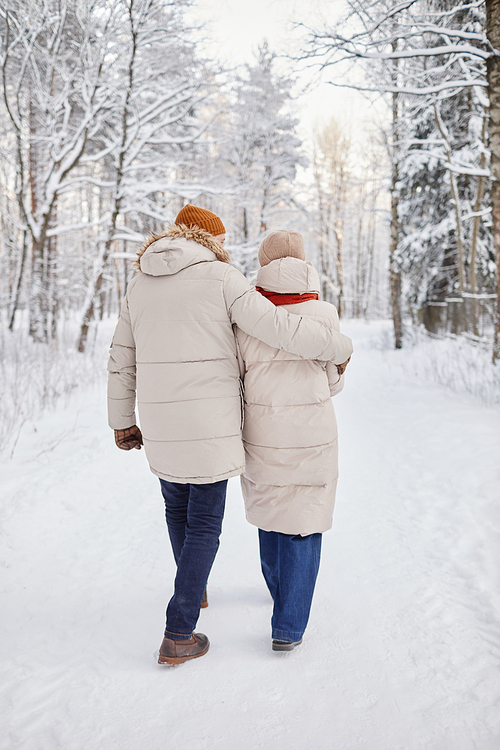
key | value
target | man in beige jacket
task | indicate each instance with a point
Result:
(174, 347)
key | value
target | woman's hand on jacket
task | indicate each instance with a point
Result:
(341, 368)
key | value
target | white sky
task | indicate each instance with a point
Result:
(236, 27)
(239, 25)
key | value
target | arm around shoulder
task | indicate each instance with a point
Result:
(335, 372)
(297, 334)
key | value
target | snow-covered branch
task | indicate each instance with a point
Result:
(416, 91)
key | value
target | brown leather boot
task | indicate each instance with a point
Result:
(177, 652)
(285, 645)
(204, 601)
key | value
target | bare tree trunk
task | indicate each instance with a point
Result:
(38, 320)
(493, 72)
(323, 258)
(53, 295)
(475, 230)
(52, 273)
(339, 235)
(245, 224)
(372, 227)
(16, 289)
(323, 262)
(456, 198)
(265, 196)
(394, 274)
(360, 267)
(37, 324)
(119, 290)
(96, 284)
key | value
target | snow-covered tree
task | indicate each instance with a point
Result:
(347, 213)
(446, 243)
(332, 167)
(428, 60)
(158, 86)
(260, 150)
(493, 76)
(101, 109)
(53, 59)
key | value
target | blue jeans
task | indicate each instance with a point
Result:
(194, 514)
(290, 566)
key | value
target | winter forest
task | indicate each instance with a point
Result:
(114, 114)
(111, 120)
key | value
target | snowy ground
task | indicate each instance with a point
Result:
(402, 651)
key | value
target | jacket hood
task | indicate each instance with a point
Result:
(288, 276)
(167, 253)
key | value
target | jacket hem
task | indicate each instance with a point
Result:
(290, 530)
(277, 485)
(198, 480)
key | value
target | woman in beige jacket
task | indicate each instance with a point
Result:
(290, 439)
(174, 347)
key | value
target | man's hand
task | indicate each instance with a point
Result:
(341, 368)
(129, 438)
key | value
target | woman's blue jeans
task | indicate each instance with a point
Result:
(194, 514)
(290, 566)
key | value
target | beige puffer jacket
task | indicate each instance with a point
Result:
(175, 344)
(290, 431)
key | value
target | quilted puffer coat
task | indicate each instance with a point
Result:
(290, 431)
(174, 344)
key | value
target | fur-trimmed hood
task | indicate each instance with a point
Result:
(168, 252)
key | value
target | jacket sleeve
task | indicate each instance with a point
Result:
(121, 374)
(296, 334)
(335, 381)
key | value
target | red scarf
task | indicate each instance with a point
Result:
(287, 299)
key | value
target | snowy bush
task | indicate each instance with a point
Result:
(460, 363)
(36, 377)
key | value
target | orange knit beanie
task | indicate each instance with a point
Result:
(202, 218)
(281, 244)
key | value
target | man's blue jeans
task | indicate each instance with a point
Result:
(194, 514)
(290, 566)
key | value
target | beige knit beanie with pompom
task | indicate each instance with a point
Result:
(281, 244)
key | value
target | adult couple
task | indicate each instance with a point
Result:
(192, 333)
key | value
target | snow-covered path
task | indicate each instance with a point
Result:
(403, 647)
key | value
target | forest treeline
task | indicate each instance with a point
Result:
(436, 65)
(111, 120)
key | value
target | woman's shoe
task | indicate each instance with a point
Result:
(177, 652)
(285, 645)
